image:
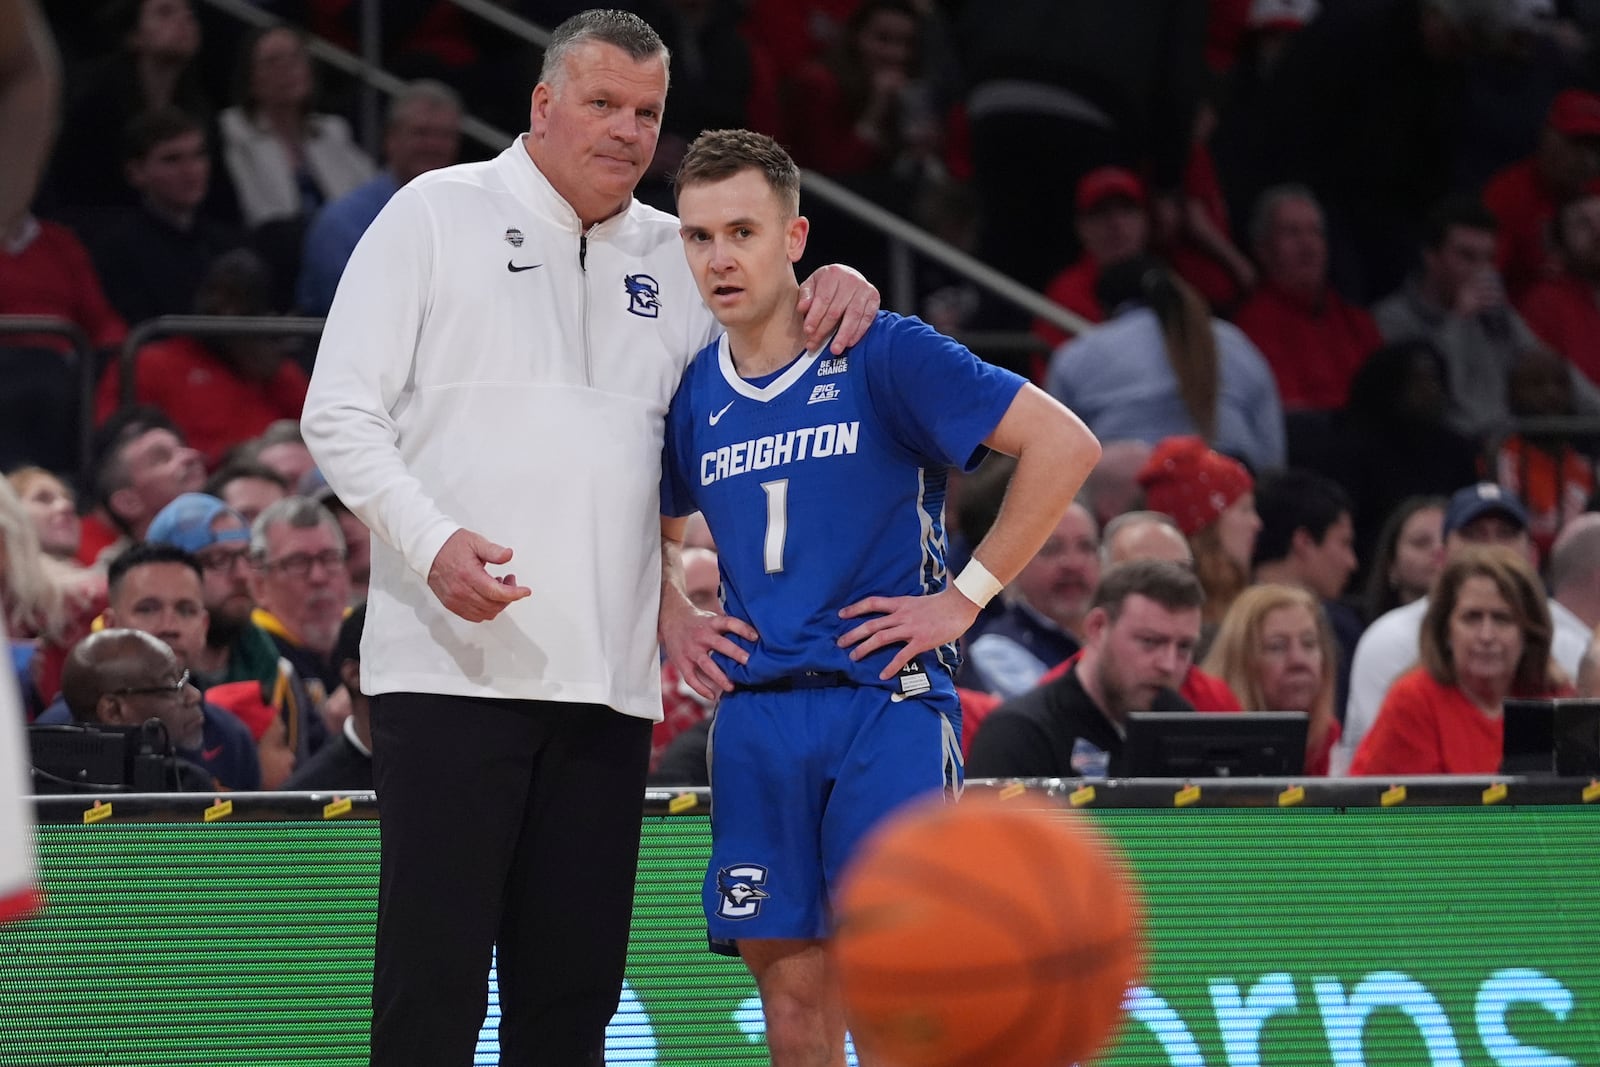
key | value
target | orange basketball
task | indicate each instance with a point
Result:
(987, 933)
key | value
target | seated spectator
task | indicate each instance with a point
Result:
(52, 508)
(1147, 535)
(1163, 367)
(141, 464)
(1276, 651)
(33, 607)
(1113, 224)
(1041, 623)
(1524, 195)
(1398, 407)
(152, 68)
(1552, 478)
(1458, 303)
(1486, 637)
(1564, 307)
(128, 678)
(1212, 499)
(1313, 339)
(1481, 514)
(1408, 556)
(1305, 540)
(345, 762)
(45, 270)
(682, 708)
(286, 159)
(156, 589)
(154, 255)
(281, 449)
(357, 538)
(220, 391)
(423, 133)
(301, 590)
(248, 488)
(1139, 639)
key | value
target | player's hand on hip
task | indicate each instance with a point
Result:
(689, 636)
(461, 583)
(919, 623)
(837, 295)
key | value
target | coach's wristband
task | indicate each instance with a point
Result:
(977, 584)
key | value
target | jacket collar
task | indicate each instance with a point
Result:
(528, 182)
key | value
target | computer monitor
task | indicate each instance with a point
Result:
(98, 758)
(1551, 737)
(1195, 744)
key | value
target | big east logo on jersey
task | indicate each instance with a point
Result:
(741, 892)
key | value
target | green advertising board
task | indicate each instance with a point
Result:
(1303, 937)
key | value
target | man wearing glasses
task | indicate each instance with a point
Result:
(301, 589)
(155, 589)
(127, 678)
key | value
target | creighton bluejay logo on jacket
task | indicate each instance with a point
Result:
(644, 295)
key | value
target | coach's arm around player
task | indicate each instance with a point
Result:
(1055, 452)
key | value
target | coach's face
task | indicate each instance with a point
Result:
(593, 130)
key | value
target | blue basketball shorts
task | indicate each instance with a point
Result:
(797, 779)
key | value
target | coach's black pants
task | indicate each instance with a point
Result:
(506, 825)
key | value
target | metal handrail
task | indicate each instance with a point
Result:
(352, 64)
(204, 326)
(83, 350)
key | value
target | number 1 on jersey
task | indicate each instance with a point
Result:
(777, 523)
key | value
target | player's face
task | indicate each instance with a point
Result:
(594, 130)
(742, 243)
(1148, 648)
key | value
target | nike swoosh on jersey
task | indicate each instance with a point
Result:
(718, 415)
(211, 753)
(514, 269)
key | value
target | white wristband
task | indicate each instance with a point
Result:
(977, 584)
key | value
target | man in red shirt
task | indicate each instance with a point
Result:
(1113, 225)
(1564, 310)
(1314, 339)
(1523, 196)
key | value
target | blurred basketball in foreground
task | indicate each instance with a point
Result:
(985, 934)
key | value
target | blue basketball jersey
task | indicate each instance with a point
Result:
(826, 484)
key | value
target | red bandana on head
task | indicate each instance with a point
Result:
(1184, 478)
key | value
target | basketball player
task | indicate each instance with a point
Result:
(822, 477)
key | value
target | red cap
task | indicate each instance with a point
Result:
(1575, 113)
(1184, 478)
(1103, 183)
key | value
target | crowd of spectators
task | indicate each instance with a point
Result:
(1332, 258)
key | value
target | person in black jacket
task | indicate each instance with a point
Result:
(1139, 639)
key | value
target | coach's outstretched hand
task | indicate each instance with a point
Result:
(461, 583)
(921, 623)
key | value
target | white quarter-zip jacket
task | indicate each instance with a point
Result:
(486, 364)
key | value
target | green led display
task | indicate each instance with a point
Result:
(1362, 937)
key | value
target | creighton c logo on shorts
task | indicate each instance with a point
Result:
(741, 892)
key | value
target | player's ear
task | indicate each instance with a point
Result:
(799, 229)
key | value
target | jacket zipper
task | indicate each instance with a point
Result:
(583, 256)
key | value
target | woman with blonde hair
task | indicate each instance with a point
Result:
(1486, 638)
(1276, 651)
